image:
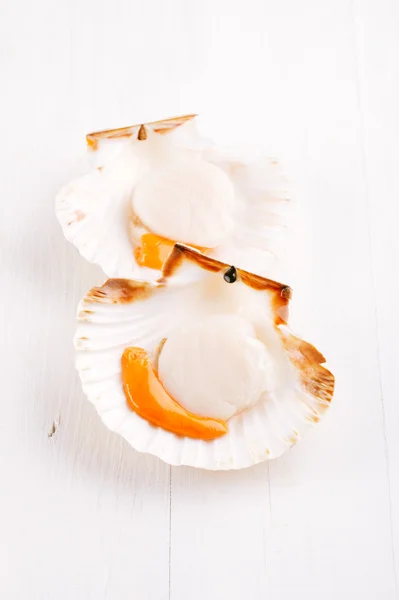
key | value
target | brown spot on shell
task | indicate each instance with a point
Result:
(294, 438)
(77, 217)
(91, 142)
(84, 315)
(316, 379)
(120, 291)
(142, 134)
(313, 418)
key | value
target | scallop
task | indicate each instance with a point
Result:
(200, 367)
(219, 353)
(160, 183)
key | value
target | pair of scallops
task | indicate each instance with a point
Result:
(185, 354)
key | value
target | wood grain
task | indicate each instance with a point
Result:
(377, 49)
(84, 516)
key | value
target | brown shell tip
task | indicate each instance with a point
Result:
(142, 134)
(172, 263)
(119, 291)
(91, 142)
(286, 292)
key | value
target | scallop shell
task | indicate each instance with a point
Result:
(125, 313)
(95, 210)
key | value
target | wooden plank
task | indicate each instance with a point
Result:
(82, 515)
(377, 47)
(326, 522)
(219, 533)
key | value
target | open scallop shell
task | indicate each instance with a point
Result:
(96, 215)
(125, 313)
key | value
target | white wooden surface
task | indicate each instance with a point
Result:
(83, 517)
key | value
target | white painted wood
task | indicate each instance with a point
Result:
(323, 529)
(82, 515)
(377, 46)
